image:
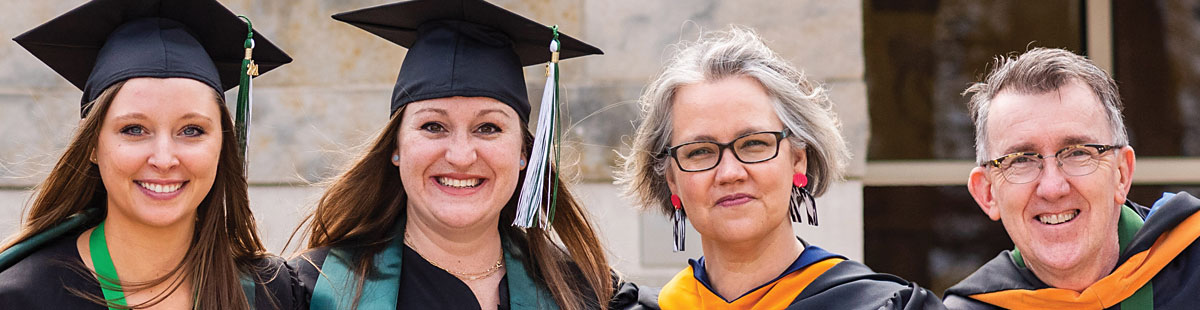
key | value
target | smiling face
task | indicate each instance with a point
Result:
(1063, 225)
(158, 150)
(459, 160)
(733, 201)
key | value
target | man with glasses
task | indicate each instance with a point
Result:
(1055, 167)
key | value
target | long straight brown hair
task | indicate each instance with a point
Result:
(225, 239)
(361, 207)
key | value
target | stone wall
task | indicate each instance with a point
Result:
(310, 116)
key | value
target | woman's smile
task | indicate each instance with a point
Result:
(459, 184)
(161, 189)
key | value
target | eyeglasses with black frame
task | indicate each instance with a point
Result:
(750, 148)
(1075, 160)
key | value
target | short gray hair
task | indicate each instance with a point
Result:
(1038, 71)
(802, 105)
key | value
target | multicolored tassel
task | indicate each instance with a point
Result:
(537, 202)
(249, 70)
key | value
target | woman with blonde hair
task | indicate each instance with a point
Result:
(423, 217)
(737, 141)
(147, 207)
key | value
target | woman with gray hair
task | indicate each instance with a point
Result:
(729, 91)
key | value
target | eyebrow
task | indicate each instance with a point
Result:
(1065, 141)
(130, 116)
(140, 116)
(709, 138)
(432, 110)
(194, 115)
(488, 111)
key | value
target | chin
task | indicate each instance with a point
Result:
(1061, 257)
(461, 217)
(732, 231)
(161, 220)
(162, 216)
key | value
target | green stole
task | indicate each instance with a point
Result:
(1127, 225)
(337, 284)
(19, 251)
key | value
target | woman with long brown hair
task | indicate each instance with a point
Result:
(147, 207)
(423, 216)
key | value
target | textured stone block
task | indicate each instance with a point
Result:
(850, 103)
(308, 134)
(36, 127)
(822, 37)
(13, 203)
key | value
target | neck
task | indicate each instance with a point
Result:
(737, 266)
(142, 253)
(465, 250)
(1082, 275)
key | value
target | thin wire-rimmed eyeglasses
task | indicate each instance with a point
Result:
(750, 148)
(1075, 160)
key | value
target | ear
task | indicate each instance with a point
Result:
(980, 186)
(800, 161)
(1125, 163)
(669, 174)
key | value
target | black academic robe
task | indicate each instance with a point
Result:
(41, 281)
(817, 279)
(425, 286)
(1175, 286)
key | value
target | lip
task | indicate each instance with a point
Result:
(161, 196)
(458, 190)
(734, 200)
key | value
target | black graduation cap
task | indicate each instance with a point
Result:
(103, 42)
(465, 48)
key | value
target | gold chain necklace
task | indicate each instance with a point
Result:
(460, 275)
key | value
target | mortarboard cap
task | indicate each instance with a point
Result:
(103, 42)
(463, 48)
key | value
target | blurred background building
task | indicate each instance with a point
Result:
(895, 70)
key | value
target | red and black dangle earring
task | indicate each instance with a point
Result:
(799, 194)
(677, 219)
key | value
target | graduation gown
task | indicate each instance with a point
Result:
(425, 286)
(41, 281)
(817, 279)
(1159, 268)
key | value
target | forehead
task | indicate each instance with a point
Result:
(164, 96)
(1045, 122)
(721, 110)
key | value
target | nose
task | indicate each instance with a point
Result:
(461, 152)
(729, 170)
(1053, 182)
(163, 158)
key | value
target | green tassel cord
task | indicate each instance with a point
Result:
(536, 204)
(249, 70)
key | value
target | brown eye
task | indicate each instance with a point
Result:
(488, 128)
(433, 127)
